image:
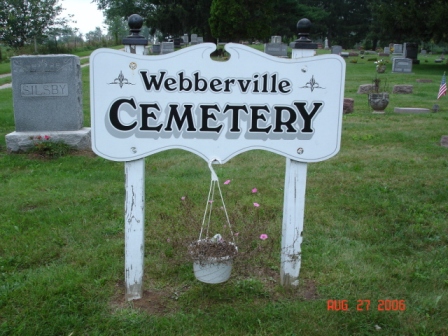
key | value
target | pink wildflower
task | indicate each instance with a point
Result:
(183, 198)
(47, 137)
(256, 205)
(227, 182)
(254, 190)
(263, 236)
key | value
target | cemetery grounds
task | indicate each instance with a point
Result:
(375, 232)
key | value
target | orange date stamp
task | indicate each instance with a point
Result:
(366, 305)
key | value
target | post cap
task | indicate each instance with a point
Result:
(135, 23)
(303, 31)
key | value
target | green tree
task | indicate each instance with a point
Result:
(117, 28)
(170, 17)
(234, 20)
(22, 21)
(344, 22)
(410, 20)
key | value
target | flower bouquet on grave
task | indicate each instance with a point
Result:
(381, 65)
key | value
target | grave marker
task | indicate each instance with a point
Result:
(411, 51)
(47, 98)
(276, 49)
(166, 48)
(398, 49)
(276, 39)
(194, 39)
(336, 49)
(402, 65)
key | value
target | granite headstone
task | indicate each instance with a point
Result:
(398, 49)
(276, 49)
(47, 93)
(194, 39)
(402, 65)
(276, 39)
(336, 49)
(166, 48)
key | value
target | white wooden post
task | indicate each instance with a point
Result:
(295, 186)
(292, 227)
(135, 192)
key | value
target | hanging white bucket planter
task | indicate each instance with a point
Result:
(213, 257)
(213, 273)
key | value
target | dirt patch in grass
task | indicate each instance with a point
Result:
(154, 302)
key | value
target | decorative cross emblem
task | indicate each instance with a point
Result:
(120, 80)
(312, 84)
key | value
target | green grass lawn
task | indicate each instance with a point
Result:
(375, 229)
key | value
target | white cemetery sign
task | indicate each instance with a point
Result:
(143, 105)
(217, 110)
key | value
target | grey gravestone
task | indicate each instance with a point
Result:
(415, 110)
(276, 39)
(47, 96)
(156, 48)
(336, 49)
(194, 39)
(166, 48)
(403, 89)
(398, 49)
(47, 93)
(403, 65)
(186, 39)
(386, 50)
(424, 52)
(276, 49)
(326, 44)
(200, 39)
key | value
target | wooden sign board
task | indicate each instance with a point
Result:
(141, 105)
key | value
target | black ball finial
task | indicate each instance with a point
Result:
(135, 23)
(303, 31)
